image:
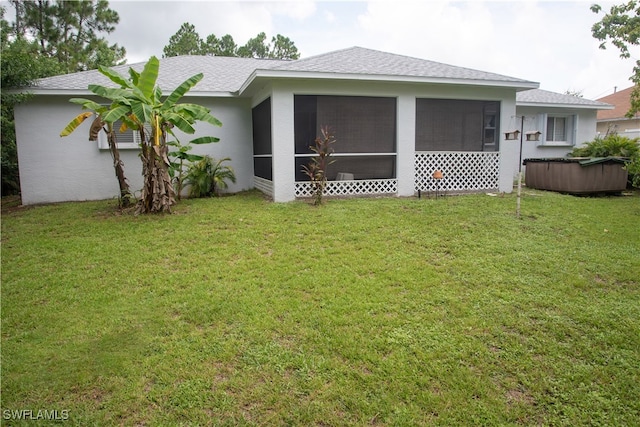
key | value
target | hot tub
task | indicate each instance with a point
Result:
(577, 175)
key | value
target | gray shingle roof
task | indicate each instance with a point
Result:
(227, 75)
(221, 74)
(544, 97)
(357, 60)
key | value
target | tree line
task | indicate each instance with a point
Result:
(187, 41)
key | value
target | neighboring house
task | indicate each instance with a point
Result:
(564, 121)
(396, 120)
(615, 120)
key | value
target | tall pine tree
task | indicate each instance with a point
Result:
(70, 31)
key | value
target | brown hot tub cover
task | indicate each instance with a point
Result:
(577, 175)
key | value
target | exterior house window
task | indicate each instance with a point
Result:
(559, 129)
(262, 154)
(457, 125)
(364, 128)
(126, 140)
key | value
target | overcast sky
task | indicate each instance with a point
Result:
(548, 42)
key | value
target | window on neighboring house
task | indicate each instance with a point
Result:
(126, 140)
(559, 129)
(556, 129)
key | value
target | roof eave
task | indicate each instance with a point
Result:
(278, 74)
(618, 119)
(85, 92)
(563, 105)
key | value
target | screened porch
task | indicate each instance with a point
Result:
(460, 138)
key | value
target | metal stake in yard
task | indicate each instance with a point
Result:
(531, 136)
(520, 169)
(437, 176)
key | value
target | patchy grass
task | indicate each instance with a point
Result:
(237, 311)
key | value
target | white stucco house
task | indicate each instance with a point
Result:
(396, 120)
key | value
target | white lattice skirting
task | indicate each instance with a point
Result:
(461, 171)
(263, 185)
(350, 188)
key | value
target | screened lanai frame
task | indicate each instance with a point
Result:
(461, 139)
(365, 153)
(463, 144)
(262, 147)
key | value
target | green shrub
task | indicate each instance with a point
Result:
(208, 176)
(615, 145)
(633, 167)
(611, 145)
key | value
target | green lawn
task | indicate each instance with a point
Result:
(238, 311)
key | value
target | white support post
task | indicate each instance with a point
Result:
(405, 145)
(283, 145)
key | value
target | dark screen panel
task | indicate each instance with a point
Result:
(456, 125)
(261, 121)
(262, 167)
(362, 167)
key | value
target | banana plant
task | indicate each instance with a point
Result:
(139, 103)
(126, 198)
(182, 158)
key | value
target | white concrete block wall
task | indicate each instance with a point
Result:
(509, 149)
(54, 169)
(585, 131)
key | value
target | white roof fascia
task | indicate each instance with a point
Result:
(86, 92)
(278, 74)
(560, 105)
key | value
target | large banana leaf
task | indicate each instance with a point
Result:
(198, 112)
(88, 104)
(115, 114)
(148, 77)
(142, 111)
(120, 95)
(180, 122)
(73, 124)
(130, 121)
(181, 90)
(115, 77)
(204, 140)
(134, 75)
(157, 94)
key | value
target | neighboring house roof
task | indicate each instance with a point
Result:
(621, 100)
(231, 76)
(539, 97)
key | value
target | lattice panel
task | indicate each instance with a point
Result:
(263, 185)
(462, 171)
(350, 188)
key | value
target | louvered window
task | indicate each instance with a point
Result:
(126, 140)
